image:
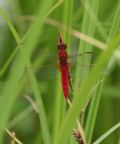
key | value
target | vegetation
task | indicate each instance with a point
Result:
(33, 109)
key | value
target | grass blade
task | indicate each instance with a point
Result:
(106, 134)
(9, 93)
(96, 99)
(86, 87)
(42, 114)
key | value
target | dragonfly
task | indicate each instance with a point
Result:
(64, 66)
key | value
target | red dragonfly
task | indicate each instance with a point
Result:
(64, 67)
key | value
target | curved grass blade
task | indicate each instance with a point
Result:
(14, 32)
(9, 93)
(93, 7)
(90, 123)
(106, 134)
(83, 95)
(87, 27)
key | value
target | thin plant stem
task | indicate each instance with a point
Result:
(13, 136)
(78, 124)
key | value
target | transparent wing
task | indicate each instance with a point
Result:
(50, 69)
(45, 72)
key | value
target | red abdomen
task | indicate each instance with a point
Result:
(65, 81)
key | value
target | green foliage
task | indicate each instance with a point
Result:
(29, 41)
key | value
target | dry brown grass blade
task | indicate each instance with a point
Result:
(75, 33)
(33, 104)
(82, 36)
(13, 137)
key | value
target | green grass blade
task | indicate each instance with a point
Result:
(42, 16)
(67, 20)
(93, 110)
(4, 68)
(113, 31)
(93, 6)
(95, 19)
(83, 95)
(111, 92)
(115, 23)
(42, 114)
(7, 20)
(58, 110)
(20, 117)
(106, 134)
(87, 27)
(11, 87)
(119, 141)
(96, 99)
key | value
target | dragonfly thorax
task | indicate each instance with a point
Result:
(63, 60)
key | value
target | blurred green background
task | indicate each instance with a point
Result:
(97, 21)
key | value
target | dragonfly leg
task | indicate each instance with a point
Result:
(70, 81)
